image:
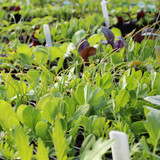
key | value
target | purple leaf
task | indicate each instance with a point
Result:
(3, 55)
(118, 44)
(108, 35)
(82, 45)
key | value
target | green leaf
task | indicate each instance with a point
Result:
(143, 90)
(80, 94)
(96, 96)
(87, 123)
(12, 88)
(155, 79)
(153, 99)
(146, 148)
(42, 130)
(33, 78)
(98, 126)
(153, 126)
(22, 143)
(131, 45)
(116, 32)
(106, 81)
(13, 122)
(138, 127)
(74, 131)
(56, 53)
(87, 143)
(81, 1)
(25, 50)
(148, 109)
(121, 99)
(41, 54)
(92, 96)
(81, 111)
(50, 111)
(134, 10)
(31, 116)
(116, 58)
(24, 58)
(59, 141)
(71, 105)
(6, 112)
(20, 112)
(99, 148)
(122, 83)
(131, 83)
(42, 152)
(60, 64)
(79, 35)
(94, 39)
(43, 100)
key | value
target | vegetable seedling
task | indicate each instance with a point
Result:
(85, 49)
(118, 44)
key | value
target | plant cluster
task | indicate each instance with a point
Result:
(61, 102)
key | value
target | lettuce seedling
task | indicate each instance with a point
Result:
(118, 44)
(85, 49)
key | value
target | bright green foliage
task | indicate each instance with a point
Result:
(41, 55)
(42, 130)
(121, 99)
(56, 52)
(105, 82)
(81, 111)
(12, 87)
(6, 113)
(153, 127)
(31, 116)
(7, 152)
(143, 90)
(85, 94)
(20, 112)
(99, 148)
(87, 143)
(42, 152)
(54, 104)
(43, 100)
(22, 144)
(50, 111)
(99, 127)
(116, 32)
(138, 127)
(24, 53)
(80, 94)
(71, 105)
(79, 35)
(153, 99)
(132, 83)
(94, 39)
(155, 80)
(33, 78)
(59, 141)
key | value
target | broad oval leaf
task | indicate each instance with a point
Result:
(122, 99)
(31, 116)
(153, 99)
(6, 112)
(42, 130)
